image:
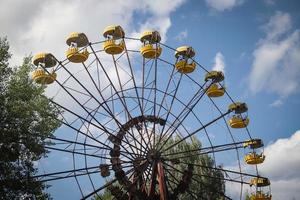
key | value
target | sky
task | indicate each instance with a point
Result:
(255, 43)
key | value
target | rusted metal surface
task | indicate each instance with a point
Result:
(161, 181)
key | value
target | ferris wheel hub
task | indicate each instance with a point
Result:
(153, 156)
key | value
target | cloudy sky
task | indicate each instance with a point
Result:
(256, 44)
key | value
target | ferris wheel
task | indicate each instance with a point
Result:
(129, 104)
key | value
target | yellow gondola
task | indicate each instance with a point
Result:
(184, 55)
(238, 122)
(40, 77)
(46, 59)
(184, 67)
(254, 158)
(238, 107)
(260, 182)
(112, 34)
(150, 48)
(215, 76)
(75, 41)
(260, 196)
(253, 143)
(215, 90)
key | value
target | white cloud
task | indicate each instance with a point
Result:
(276, 59)
(222, 5)
(276, 103)
(270, 2)
(283, 155)
(34, 26)
(281, 166)
(219, 62)
(182, 35)
(278, 24)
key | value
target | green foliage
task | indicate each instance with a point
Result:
(27, 118)
(209, 184)
(247, 196)
(106, 195)
(5, 71)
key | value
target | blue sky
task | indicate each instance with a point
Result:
(256, 43)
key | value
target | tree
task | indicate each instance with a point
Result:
(247, 196)
(209, 184)
(27, 119)
(106, 195)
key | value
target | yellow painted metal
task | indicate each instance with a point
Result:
(46, 58)
(150, 36)
(150, 48)
(215, 91)
(238, 122)
(216, 76)
(238, 107)
(260, 182)
(150, 51)
(114, 32)
(185, 52)
(184, 67)
(80, 39)
(74, 55)
(111, 47)
(260, 196)
(253, 143)
(184, 62)
(254, 158)
(40, 77)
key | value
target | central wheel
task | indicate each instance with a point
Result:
(147, 158)
(153, 156)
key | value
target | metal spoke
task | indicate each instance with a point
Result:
(216, 148)
(87, 122)
(123, 103)
(196, 180)
(196, 131)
